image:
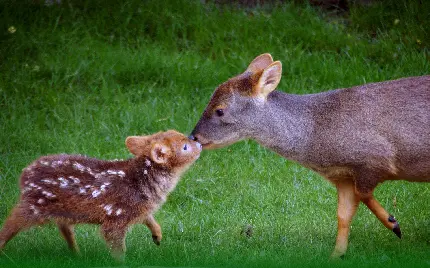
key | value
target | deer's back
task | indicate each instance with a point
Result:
(381, 125)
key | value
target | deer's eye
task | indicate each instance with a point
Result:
(185, 147)
(219, 112)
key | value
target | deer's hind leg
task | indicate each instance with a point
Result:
(365, 185)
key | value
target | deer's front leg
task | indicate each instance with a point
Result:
(155, 228)
(347, 206)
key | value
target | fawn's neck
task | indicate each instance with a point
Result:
(153, 181)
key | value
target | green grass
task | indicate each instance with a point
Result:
(81, 77)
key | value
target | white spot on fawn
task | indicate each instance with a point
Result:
(118, 212)
(96, 193)
(82, 190)
(115, 172)
(148, 163)
(145, 172)
(75, 180)
(41, 201)
(79, 167)
(25, 189)
(56, 163)
(35, 186)
(48, 194)
(49, 181)
(108, 209)
(63, 182)
(34, 209)
(101, 175)
(45, 163)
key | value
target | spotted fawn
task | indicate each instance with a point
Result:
(71, 189)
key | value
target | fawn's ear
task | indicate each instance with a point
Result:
(260, 63)
(136, 144)
(269, 79)
(160, 153)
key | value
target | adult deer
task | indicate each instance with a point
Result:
(355, 137)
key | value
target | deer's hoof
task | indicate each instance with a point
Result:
(396, 228)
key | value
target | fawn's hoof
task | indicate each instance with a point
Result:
(156, 239)
(336, 256)
(119, 257)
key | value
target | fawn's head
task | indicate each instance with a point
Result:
(170, 149)
(229, 115)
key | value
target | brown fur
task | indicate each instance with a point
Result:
(355, 137)
(72, 189)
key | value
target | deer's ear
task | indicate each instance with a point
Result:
(160, 153)
(260, 63)
(269, 79)
(136, 144)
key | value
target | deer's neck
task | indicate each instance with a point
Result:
(285, 124)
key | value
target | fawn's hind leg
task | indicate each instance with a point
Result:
(66, 231)
(19, 220)
(114, 234)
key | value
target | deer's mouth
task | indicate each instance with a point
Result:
(211, 145)
(208, 146)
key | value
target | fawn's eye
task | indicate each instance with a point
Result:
(185, 147)
(219, 112)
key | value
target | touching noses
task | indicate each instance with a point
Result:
(192, 137)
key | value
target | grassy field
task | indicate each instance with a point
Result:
(82, 76)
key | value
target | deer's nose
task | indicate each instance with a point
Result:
(192, 137)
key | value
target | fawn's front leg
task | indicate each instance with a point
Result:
(347, 206)
(155, 228)
(114, 234)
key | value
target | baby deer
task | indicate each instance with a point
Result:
(71, 189)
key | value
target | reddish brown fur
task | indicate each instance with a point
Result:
(71, 189)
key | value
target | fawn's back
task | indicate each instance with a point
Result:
(77, 188)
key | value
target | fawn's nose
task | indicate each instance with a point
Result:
(192, 137)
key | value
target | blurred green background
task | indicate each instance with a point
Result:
(80, 76)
